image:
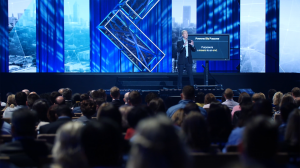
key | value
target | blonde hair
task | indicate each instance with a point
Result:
(178, 117)
(11, 101)
(67, 150)
(277, 98)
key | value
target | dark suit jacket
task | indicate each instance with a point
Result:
(26, 152)
(117, 103)
(182, 52)
(53, 127)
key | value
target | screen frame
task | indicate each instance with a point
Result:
(214, 59)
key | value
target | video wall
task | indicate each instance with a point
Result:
(77, 34)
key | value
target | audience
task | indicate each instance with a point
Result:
(277, 98)
(51, 113)
(271, 93)
(238, 107)
(63, 115)
(257, 97)
(31, 98)
(67, 151)
(26, 91)
(157, 105)
(285, 111)
(81, 98)
(296, 92)
(53, 97)
(124, 110)
(150, 96)
(126, 98)
(135, 98)
(187, 96)
(41, 107)
(115, 95)
(21, 99)
(76, 100)
(245, 103)
(230, 103)
(24, 151)
(200, 99)
(209, 97)
(108, 110)
(178, 117)
(60, 91)
(88, 109)
(11, 102)
(67, 95)
(157, 144)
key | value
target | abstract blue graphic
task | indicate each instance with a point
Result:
(123, 32)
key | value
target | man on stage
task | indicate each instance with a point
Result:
(185, 48)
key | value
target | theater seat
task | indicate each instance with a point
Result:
(5, 138)
(48, 137)
(213, 161)
(77, 114)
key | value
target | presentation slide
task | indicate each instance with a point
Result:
(211, 47)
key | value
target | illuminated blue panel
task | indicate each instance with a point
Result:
(138, 9)
(127, 37)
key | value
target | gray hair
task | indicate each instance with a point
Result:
(183, 31)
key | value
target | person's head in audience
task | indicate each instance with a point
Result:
(263, 107)
(262, 95)
(157, 144)
(102, 94)
(188, 93)
(67, 151)
(200, 97)
(271, 93)
(31, 99)
(277, 98)
(246, 111)
(60, 100)
(297, 102)
(178, 117)
(11, 101)
(63, 111)
(223, 97)
(228, 94)
(51, 113)
(242, 95)
(150, 96)
(53, 96)
(245, 100)
(287, 98)
(98, 102)
(32, 93)
(21, 98)
(126, 97)
(134, 98)
(124, 110)
(88, 108)
(84, 96)
(60, 91)
(209, 97)
(257, 97)
(296, 92)
(219, 122)
(41, 107)
(190, 107)
(259, 140)
(90, 93)
(137, 114)
(115, 93)
(46, 96)
(26, 91)
(101, 143)
(76, 100)
(67, 94)
(157, 106)
(285, 111)
(196, 132)
(23, 123)
(292, 135)
(107, 110)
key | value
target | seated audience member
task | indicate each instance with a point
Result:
(296, 92)
(126, 98)
(259, 144)
(75, 100)
(41, 107)
(88, 109)
(26, 91)
(67, 151)
(11, 102)
(53, 96)
(64, 115)
(115, 95)
(67, 95)
(107, 110)
(263, 107)
(60, 100)
(31, 99)
(257, 97)
(200, 99)
(101, 143)
(277, 98)
(196, 132)
(82, 97)
(51, 113)
(46, 96)
(287, 98)
(134, 116)
(271, 93)
(285, 111)
(157, 106)
(135, 99)
(124, 110)
(209, 97)
(4, 127)
(245, 102)
(219, 124)
(238, 107)
(150, 96)
(187, 96)
(157, 144)
(21, 99)
(60, 91)
(191, 107)
(178, 117)
(24, 151)
(100, 93)
(230, 103)
(245, 115)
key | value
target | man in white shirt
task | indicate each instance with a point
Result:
(230, 103)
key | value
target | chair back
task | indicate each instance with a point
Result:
(50, 138)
